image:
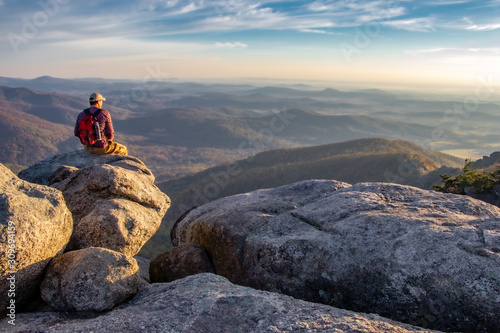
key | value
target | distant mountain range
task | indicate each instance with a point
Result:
(53, 107)
(64, 86)
(204, 142)
(197, 127)
(33, 125)
(472, 126)
(36, 124)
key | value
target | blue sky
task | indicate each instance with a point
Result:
(434, 44)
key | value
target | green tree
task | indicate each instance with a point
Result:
(480, 181)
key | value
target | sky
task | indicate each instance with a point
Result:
(427, 44)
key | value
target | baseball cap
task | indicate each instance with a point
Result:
(96, 97)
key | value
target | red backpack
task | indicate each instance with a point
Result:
(88, 129)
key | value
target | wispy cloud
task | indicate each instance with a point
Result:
(413, 24)
(189, 8)
(445, 2)
(318, 31)
(483, 27)
(168, 30)
(446, 51)
(313, 17)
(229, 45)
(153, 18)
(467, 24)
(348, 13)
(248, 18)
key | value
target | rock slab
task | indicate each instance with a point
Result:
(35, 226)
(113, 199)
(207, 303)
(42, 172)
(420, 257)
(91, 279)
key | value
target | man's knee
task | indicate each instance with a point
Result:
(116, 148)
(122, 150)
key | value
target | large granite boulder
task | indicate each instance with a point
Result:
(93, 279)
(179, 262)
(207, 303)
(113, 199)
(41, 172)
(416, 256)
(35, 226)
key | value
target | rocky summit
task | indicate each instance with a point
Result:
(99, 209)
(416, 256)
(313, 256)
(44, 171)
(207, 303)
(113, 199)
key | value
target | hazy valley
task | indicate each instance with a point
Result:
(206, 141)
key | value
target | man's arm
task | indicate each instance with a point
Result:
(109, 131)
(76, 125)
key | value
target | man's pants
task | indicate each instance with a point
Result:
(111, 148)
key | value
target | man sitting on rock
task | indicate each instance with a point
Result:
(105, 144)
